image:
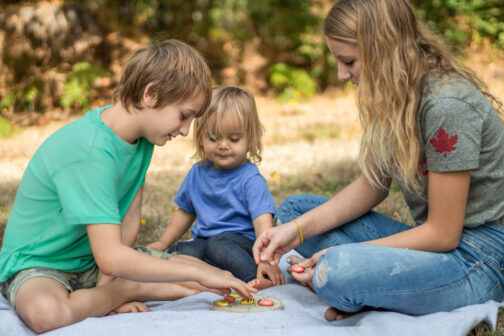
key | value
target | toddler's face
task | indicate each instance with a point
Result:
(229, 148)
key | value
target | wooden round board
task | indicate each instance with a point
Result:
(238, 307)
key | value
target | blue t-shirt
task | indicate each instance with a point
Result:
(224, 201)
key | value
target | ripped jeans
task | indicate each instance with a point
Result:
(352, 276)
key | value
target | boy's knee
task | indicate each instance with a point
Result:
(45, 313)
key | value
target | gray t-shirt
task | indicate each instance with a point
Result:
(460, 130)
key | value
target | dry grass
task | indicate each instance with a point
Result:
(310, 147)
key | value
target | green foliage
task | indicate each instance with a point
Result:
(78, 87)
(5, 127)
(464, 21)
(27, 97)
(291, 83)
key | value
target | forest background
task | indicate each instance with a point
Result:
(58, 58)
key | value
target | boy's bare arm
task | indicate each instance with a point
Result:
(130, 224)
(116, 259)
(179, 223)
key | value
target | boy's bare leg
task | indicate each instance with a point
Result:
(44, 304)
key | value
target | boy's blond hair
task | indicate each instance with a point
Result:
(226, 99)
(175, 71)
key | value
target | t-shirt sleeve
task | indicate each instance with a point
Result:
(452, 131)
(183, 197)
(88, 193)
(259, 198)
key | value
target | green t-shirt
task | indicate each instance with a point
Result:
(82, 174)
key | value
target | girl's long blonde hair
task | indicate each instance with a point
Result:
(397, 51)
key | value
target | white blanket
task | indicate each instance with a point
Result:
(303, 315)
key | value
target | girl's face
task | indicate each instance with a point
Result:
(229, 149)
(348, 58)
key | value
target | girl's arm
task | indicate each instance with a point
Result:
(179, 223)
(447, 200)
(119, 260)
(353, 201)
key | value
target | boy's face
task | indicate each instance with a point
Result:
(165, 123)
(229, 149)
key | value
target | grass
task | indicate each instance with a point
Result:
(310, 147)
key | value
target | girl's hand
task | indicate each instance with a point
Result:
(273, 243)
(157, 245)
(309, 265)
(273, 272)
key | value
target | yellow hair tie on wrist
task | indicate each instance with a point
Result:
(299, 229)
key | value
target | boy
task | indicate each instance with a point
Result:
(64, 256)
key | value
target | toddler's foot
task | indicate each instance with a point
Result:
(261, 283)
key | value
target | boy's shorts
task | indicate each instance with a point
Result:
(71, 281)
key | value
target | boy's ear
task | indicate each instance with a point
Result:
(150, 96)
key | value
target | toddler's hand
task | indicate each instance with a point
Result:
(273, 272)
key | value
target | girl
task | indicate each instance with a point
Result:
(430, 125)
(224, 192)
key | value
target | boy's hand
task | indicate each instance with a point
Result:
(224, 281)
(157, 245)
(273, 272)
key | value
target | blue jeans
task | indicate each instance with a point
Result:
(352, 276)
(231, 252)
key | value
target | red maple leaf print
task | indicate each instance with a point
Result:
(444, 143)
(421, 167)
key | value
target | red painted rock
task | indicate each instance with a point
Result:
(297, 269)
(229, 298)
(265, 302)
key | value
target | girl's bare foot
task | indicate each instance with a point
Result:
(333, 314)
(261, 283)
